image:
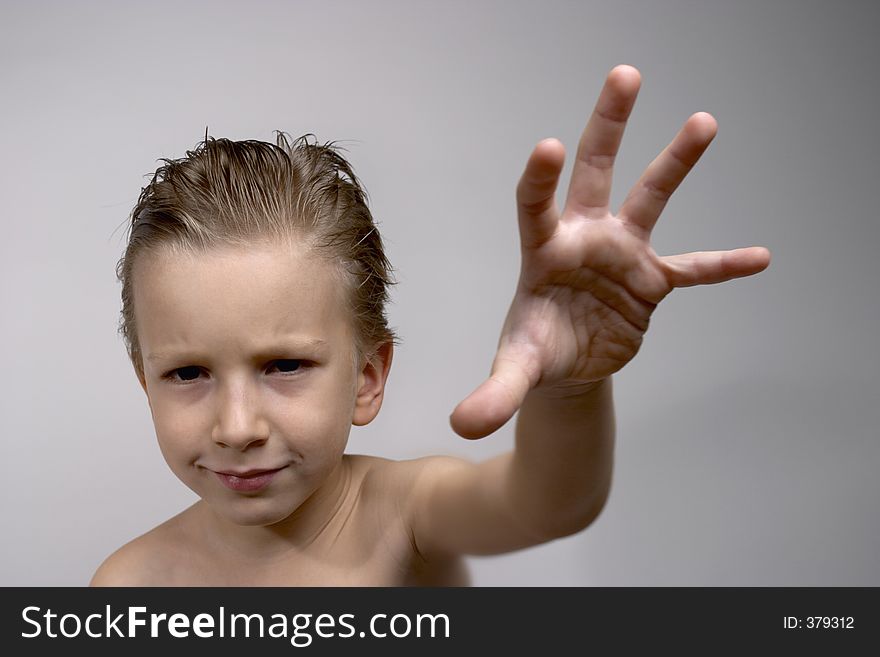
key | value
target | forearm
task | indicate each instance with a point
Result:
(560, 471)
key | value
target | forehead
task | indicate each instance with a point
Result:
(237, 296)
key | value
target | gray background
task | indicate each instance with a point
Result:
(747, 425)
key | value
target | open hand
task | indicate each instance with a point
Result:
(589, 279)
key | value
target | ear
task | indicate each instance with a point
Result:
(371, 385)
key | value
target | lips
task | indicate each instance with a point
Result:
(247, 480)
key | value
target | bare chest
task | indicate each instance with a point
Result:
(383, 566)
(359, 553)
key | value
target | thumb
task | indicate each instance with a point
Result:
(494, 402)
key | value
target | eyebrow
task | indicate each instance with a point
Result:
(293, 343)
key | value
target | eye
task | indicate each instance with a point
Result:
(185, 374)
(288, 366)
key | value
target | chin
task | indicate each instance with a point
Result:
(254, 512)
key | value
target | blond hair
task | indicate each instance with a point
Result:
(244, 192)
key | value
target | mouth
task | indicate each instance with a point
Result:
(247, 473)
(247, 480)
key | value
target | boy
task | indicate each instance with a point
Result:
(253, 309)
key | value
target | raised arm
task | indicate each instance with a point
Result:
(588, 284)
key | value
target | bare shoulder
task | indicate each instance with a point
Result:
(400, 480)
(145, 560)
(400, 491)
(127, 566)
(408, 490)
(452, 507)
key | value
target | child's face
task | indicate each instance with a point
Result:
(248, 366)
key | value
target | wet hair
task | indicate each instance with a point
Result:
(241, 193)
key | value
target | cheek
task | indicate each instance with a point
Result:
(313, 428)
(316, 425)
(177, 428)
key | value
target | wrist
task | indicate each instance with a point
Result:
(562, 390)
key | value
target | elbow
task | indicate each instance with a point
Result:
(578, 520)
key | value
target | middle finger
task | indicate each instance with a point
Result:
(590, 187)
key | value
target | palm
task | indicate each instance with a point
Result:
(584, 301)
(589, 279)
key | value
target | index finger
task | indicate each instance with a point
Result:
(590, 187)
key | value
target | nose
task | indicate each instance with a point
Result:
(239, 424)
